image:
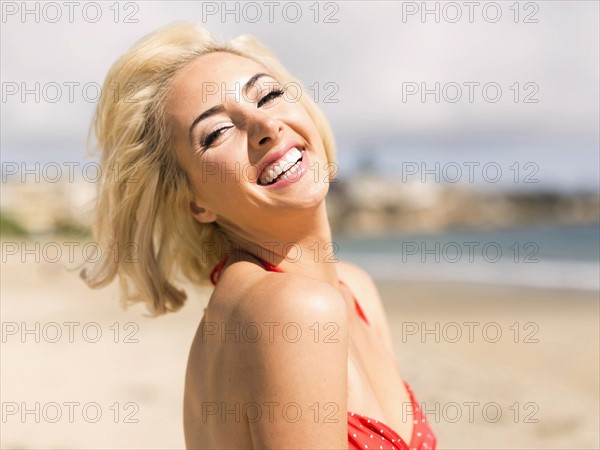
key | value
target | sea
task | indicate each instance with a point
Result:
(558, 257)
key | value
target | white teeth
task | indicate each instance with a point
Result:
(291, 171)
(289, 163)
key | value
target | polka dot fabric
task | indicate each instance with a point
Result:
(365, 432)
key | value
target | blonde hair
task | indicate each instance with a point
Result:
(143, 199)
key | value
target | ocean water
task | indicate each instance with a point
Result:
(553, 257)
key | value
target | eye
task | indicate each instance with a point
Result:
(272, 95)
(208, 139)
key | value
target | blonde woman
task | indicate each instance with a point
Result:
(223, 177)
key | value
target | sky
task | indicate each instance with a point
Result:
(516, 82)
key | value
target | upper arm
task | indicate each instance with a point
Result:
(368, 297)
(297, 372)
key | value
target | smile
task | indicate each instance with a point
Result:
(282, 169)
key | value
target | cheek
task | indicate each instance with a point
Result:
(220, 183)
(301, 120)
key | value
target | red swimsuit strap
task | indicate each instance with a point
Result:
(216, 272)
(359, 310)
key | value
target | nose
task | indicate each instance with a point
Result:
(263, 129)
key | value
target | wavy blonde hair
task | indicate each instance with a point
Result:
(143, 220)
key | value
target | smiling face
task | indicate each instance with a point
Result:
(250, 150)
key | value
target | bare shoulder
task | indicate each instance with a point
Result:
(363, 287)
(367, 295)
(270, 295)
(351, 273)
(292, 363)
(249, 294)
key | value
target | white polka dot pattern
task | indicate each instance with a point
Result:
(363, 431)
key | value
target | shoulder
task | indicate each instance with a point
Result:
(362, 285)
(367, 295)
(350, 271)
(300, 358)
(290, 297)
(281, 303)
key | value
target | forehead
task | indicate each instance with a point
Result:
(216, 70)
(207, 80)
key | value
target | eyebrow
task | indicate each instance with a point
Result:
(220, 108)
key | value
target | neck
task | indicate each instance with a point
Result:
(300, 242)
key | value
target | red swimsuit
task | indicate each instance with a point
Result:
(364, 432)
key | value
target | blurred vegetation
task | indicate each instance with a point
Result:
(9, 226)
(72, 230)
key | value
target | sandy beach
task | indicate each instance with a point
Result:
(495, 367)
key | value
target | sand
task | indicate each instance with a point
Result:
(128, 394)
(543, 379)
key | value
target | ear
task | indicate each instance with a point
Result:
(201, 214)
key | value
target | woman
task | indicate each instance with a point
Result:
(222, 175)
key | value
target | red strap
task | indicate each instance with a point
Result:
(359, 310)
(216, 272)
(270, 267)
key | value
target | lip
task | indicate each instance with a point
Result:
(295, 177)
(278, 154)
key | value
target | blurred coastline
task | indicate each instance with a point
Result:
(370, 204)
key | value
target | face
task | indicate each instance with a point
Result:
(250, 150)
